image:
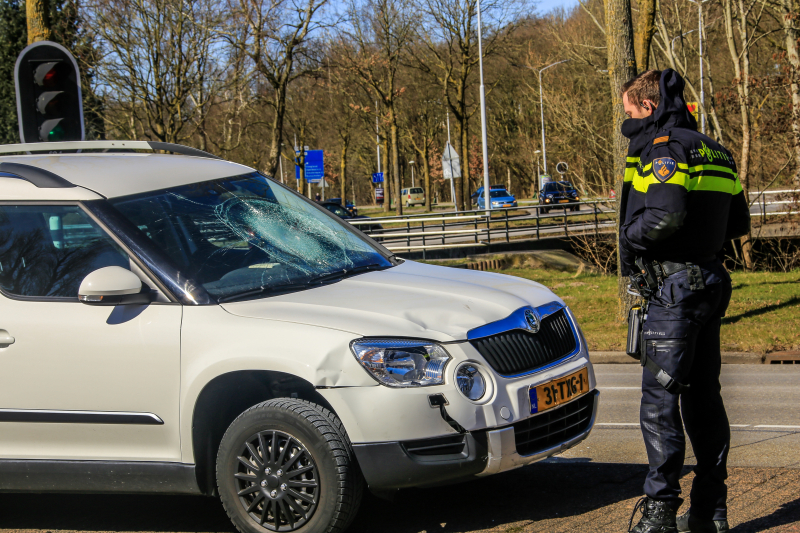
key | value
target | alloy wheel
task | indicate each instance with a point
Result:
(277, 481)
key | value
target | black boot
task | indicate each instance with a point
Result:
(657, 517)
(690, 524)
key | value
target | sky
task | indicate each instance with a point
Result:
(547, 5)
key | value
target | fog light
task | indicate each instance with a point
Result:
(471, 382)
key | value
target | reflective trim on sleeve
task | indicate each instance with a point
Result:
(630, 168)
(700, 178)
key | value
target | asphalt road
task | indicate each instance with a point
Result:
(591, 488)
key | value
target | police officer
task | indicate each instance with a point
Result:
(682, 200)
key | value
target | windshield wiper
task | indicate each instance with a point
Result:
(345, 272)
(332, 276)
(263, 290)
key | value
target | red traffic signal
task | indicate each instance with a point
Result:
(49, 100)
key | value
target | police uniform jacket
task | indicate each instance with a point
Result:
(681, 199)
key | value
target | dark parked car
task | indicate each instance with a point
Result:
(559, 194)
(348, 205)
(341, 212)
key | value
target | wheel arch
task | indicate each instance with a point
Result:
(227, 396)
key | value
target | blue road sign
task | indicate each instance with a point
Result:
(314, 166)
(377, 177)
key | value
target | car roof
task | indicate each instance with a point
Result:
(115, 174)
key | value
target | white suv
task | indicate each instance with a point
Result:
(182, 324)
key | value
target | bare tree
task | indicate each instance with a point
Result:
(451, 56)
(278, 41)
(621, 68)
(380, 35)
(158, 75)
(739, 16)
(789, 12)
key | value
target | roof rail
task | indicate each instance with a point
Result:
(104, 145)
(44, 179)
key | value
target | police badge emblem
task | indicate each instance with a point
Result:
(664, 168)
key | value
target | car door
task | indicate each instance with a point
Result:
(80, 382)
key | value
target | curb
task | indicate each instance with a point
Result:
(728, 358)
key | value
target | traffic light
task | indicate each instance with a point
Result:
(49, 102)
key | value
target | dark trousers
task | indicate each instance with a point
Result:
(681, 335)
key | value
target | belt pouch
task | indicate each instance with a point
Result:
(634, 332)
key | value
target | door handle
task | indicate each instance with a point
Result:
(5, 338)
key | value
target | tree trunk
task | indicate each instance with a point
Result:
(644, 33)
(38, 21)
(462, 187)
(279, 101)
(741, 68)
(621, 68)
(426, 173)
(387, 189)
(791, 36)
(395, 159)
(345, 143)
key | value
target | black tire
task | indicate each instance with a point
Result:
(322, 498)
(577, 207)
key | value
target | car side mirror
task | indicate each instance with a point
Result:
(112, 285)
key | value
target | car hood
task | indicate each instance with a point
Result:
(408, 300)
(506, 199)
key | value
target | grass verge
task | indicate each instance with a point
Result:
(764, 314)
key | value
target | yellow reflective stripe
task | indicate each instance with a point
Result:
(737, 186)
(700, 168)
(632, 159)
(697, 183)
(630, 174)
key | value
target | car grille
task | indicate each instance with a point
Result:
(517, 351)
(551, 428)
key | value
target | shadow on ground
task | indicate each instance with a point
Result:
(550, 490)
(788, 513)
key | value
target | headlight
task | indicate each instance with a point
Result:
(574, 194)
(470, 382)
(549, 195)
(402, 362)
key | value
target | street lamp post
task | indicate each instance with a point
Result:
(702, 92)
(484, 140)
(536, 187)
(541, 105)
(411, 164)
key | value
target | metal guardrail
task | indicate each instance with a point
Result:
(447, 230)
(439, 231)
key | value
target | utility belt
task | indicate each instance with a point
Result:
(648, 280)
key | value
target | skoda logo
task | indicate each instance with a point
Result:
(532, 320)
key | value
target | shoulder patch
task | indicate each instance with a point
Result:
(660, 140)
(664, 168)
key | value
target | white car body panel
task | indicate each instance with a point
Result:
(132, 173)
(75, 357)
(408, 300)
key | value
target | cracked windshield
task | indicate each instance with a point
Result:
(244, 236)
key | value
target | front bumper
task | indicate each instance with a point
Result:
(396, 465)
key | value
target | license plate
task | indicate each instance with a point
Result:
(507, 205)
(563, 201)
(558, 391)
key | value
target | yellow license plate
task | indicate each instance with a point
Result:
(507, 205)
(563, 201)
(558, 391)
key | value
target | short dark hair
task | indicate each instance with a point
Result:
(643, 87)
